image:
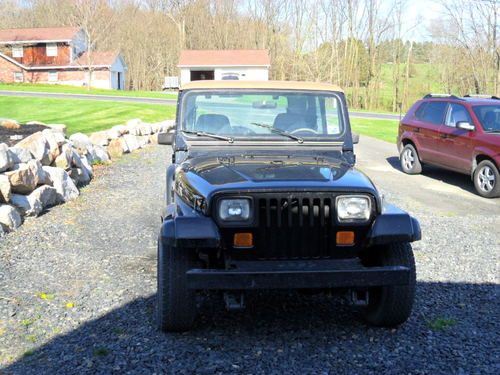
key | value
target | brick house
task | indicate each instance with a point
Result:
(57, 55)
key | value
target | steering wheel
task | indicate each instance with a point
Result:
(304, 130)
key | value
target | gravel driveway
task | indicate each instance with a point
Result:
(77, 296)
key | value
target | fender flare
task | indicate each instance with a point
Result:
(190, 232)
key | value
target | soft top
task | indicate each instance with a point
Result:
(265, 85)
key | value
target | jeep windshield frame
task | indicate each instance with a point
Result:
(319, 117)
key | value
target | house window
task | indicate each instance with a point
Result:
(52, 49)
(18, 77)
(17, 51)
(52, 76)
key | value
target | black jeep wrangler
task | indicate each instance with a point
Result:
(262, 194)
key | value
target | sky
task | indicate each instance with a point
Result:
(425, 11)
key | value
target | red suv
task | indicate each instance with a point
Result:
(457, 133)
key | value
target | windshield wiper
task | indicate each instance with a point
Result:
(211, 135)
(277, 131)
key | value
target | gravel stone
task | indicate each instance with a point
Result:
(78, 294)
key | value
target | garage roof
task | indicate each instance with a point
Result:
(215, 58)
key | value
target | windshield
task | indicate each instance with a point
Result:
(263, 114)
(489, 116)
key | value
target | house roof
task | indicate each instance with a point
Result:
(264, 85)
(58, 34)
(97, 58)
(239, 57)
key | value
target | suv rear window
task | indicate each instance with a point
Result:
(432, 112)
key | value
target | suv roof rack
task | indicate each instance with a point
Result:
(450, 96)
(481, 96)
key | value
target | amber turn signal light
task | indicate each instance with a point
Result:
(345, 238)
(243, 240)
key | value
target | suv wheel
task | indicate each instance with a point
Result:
(487, 179)
(410, 162)
(390, 306)
(176, 304)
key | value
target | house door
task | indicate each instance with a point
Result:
(202, 75)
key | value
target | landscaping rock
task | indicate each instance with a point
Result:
(79, 176)
(22, 179)
(64, 185)
(47, 195)
(59, 128)
(163, 126)
(100, 138)
(133, 122)
(113, 134)
(143, 140)
(122, 129)
(20, 155)
(9, 124)
(59, 137)
(64, 160)
(116, 148)
(41, 177)
(145, 129)
(153, 138)
(6, 159)
(38, 146)
(5, 189)
(53, 144)
(101, 154)
(27, 205)
(10, 219)
(81, 142)
(131, 141)
(82, 162)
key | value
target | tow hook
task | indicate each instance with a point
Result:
(234, 301)
(358, 297)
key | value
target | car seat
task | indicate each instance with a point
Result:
(295, 116)
(212, 123)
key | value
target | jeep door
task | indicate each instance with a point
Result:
(455, 146)
(428, 118)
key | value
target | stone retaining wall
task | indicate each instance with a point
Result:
(46, 168)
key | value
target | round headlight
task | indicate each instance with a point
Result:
(353, 208)
(234, 209)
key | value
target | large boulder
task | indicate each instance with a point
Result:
(22, 179)
(83, 163)
(81, 142)
(143, 140)
(113, 134)
(5, 189)
(59, 128)
(27, 205)
(10, 219)
(64, 185)
(20, 155)
(47, 195)
(163, 126)
(131, 141)
(53, 144)
(9, 124)
(100, 138)
(145, 129)
(38, 146)
(79, 176)
(6, 158)
(122, 129)
(117, 147)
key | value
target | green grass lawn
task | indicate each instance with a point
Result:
(40, 87)
(84, 116)
(386, 130)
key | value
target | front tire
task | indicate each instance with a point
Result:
(390, 306)
(176, 304)
(410, 161)
(487, 179)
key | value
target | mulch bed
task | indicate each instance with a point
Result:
(24, 131)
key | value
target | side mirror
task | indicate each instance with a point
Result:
(355, 138)
(464, 125)
(166, 138)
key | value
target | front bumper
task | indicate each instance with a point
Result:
(297, 274)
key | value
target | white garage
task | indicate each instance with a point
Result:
(249, 65)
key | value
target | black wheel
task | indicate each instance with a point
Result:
(410, 162)
(390, 306)
(487, 179)
(176, 304)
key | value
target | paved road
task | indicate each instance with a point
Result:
(377, 116)
(98, 253)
